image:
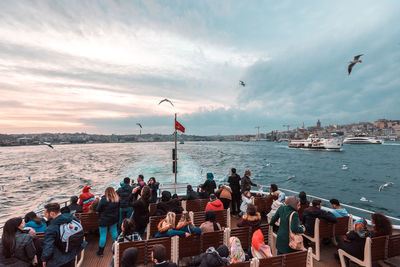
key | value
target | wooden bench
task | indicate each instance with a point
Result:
(394, 246)
(189, 246)
(89, 221)
(211, 239)
(295, 259)
(144, 250)
(152, 208)
(221, 216)
(261, 204)
(244, 234)
(343, 225)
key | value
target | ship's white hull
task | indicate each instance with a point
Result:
(320, 143)
(362, 140)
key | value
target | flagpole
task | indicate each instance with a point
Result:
(176, 151)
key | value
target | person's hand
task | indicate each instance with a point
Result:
(252, 197)
(44, 264)
(187, 234)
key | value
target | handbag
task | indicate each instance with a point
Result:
(295, 240)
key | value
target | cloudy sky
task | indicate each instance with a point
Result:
(103, 66)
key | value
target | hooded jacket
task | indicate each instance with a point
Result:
(225, 192)
(312, 213)
(167, 204)
(246, 183)
(209, 187)
(215, 205)
(51, 254)
(85, 199)
(124, 192)
(212, 257)
(249, 220)
(191, 195)
(141, 214)
(108, 212)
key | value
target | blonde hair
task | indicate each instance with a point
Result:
(185, 217)
(170, 219)
(111, 195)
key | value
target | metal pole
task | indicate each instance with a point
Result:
(176, 151)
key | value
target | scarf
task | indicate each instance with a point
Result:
(236, 251)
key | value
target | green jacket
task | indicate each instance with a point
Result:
(282, 241)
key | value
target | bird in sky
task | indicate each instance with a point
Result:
(242, 83)
(354, 62)
(385, 185)
(166, 100)
(48, 144)
(138, 124)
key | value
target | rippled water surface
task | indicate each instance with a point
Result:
(62, 172)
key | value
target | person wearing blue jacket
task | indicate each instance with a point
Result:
(338, 211)
(34, 222)
(52, 256)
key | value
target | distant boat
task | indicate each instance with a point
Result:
(361, 139)
(315, 142)
(181, 142)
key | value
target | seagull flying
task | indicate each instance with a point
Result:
(242, 83)
(138, 124)
(385, 185)
(354, 62)
(166, 100)
(48, 144)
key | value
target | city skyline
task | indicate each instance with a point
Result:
(102, 67)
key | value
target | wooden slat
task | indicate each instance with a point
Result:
(152, 208)
(244, 235)
(394, 246)
(241, 264)
(296, 259)
(221, 217)
(325, 228)
(89, 221)
(276, 261)
(141, 247)
(189, 246)
(261, 204)
(378, 247)
(165, 241)
(193, 205)
(341, 227)
(211, 239)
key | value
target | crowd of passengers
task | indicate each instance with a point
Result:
(125, 214)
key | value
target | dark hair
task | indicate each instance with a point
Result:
(233, 170)
(8, 238)
(52, 207)
(159, 252)
(274, 187)
(129, 226)
(65, 210)
(129, 257)
(210, 217)
(303, 198)
(146, 194)
(165, 196)
(316, 202)
(251, 209)
(383, 225)
(31, 216)
(141, 176)
(127, 180)
(152, 178)
(213, 197)
(334, 201)
(189, 187)
(74, 199)
(175, 196)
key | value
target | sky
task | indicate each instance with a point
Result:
(103, 66)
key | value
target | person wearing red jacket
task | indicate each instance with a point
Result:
(214, 204)
(85, 199)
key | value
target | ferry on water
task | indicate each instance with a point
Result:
(362, 140)
(315, 142)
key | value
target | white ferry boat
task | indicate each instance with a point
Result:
(361, 140)
(315, 142)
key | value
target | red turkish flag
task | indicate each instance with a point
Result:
(179, 126)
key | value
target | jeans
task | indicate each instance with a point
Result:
(103, 234)
(124, 213)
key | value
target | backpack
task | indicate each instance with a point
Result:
(71, 236)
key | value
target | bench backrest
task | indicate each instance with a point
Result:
(241, 264)
(220, 217)
(342, 226)
(295, 259)
(153, 223)
(152, 208)
(211, 239)
(89, 221)
(189, 246)
(165, 241)
(261, 204)
(244, 235)
(141, 247)
(193, 205)
(325, 228)
(378, 248)
(394, 246)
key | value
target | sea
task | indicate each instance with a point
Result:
(31, 176)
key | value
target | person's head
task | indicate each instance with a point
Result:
(170, 218)
(129, 257)
(158, 253)
(31, 216)
(210, 176)
(273, 188)
(51, 210)
(165, 196)
(303, 197)
(189, 188)
(175, 196)
(8, 238)
(246, 194)
(140, 178)
(335, 203)
(247, 172)
(213, 197)
(316, 203)
(223, 251)
(185, 217)
(210, 217)
(251, 209)
(74, 200)
(382, 224)
(233, 171)
(127, 180)
(111, 195)
(152, 180)
(86, 189)
(94, 204)
(128, 226)
(145, 194)
(293, 202)
(65, 210)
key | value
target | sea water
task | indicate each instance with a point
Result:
(56, 174)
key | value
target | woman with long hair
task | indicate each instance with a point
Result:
(166, 227)
(17, 244)
(185, 224)
(108, 210)
(141, 210)
(381, 224)
(210, 225)
(153, 184)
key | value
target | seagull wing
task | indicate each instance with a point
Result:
(166, 100)
(139, 125)
(380, 188)
(358, 57)
(351, 67)
(51, 146)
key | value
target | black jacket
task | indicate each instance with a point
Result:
(165, 264)
(247, 183)
(209, 187)
(165, 206)
(108, 212)
(311, 213)
(140, 214)
(210, 258)
(24, 251)
(234, 183)
(124, 192)
(354, 245)
(154, 188)
(191, 195)
(75, 207)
